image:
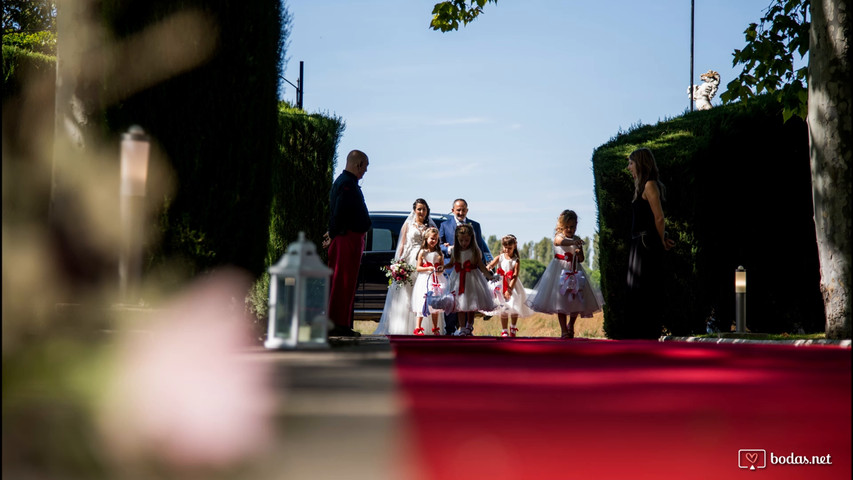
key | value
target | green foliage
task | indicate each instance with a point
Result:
(543, 250)
(529, 272)
(595, 278)
(594, 247)
(526, 250)
(738, 193)
(40, 42)
(217, 128)
(29, 16)
(20, 64)
(494, 244)
(768, 58)
(447, 15)
(587, 253)
(300, 181)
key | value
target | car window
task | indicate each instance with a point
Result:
(380, 240)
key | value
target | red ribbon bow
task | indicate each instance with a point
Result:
(435, 283)
(463, 270)
(567, 257)
(507, 277)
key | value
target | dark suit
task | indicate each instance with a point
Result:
(446, 235)
(348, 223)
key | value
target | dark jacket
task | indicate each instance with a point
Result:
(348, 210)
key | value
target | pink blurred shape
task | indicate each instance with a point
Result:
(181, 393)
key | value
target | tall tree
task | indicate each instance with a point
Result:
(830, 138)
(526, 250)
(588, 255)
(594, 262)
(768, 62)
(820, 28)
(544, 250)
(29, 16)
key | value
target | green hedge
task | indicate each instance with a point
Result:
(300, 181)
(738, 193)
(20, 64)
(43, 42)
(217, 127)
(530, 271)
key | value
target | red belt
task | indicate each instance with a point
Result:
(567, 257)
(463, 270)
(432, 274)
(507, 277)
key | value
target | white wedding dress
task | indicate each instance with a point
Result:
(397, 315)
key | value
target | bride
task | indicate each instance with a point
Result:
(397, 315)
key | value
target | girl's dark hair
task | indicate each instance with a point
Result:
(469, 230)
(429, 231)
(508, 240)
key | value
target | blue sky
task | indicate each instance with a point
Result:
(507, 111)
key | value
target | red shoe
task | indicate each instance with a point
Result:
(512, 331)
(436, 331)
(419, 331)
(504, 333)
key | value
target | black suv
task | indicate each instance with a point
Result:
(379, 247)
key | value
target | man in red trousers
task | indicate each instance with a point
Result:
(348, 224)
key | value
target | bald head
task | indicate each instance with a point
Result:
(357, 163)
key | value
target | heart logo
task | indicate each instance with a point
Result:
(752, 457)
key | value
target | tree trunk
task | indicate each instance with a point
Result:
(830, 134)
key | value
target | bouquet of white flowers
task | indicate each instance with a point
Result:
(399, 272)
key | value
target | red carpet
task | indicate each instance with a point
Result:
(552, 409)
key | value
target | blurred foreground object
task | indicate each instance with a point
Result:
(299, 295)
(135, 149)
(179, 395)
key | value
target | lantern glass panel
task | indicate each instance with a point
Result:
(313, 318)
(285, 307)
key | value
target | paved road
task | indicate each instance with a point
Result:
(340, 414)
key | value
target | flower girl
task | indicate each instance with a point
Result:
(513, 296)
(430, 280)
(468, 279)
(563, 288)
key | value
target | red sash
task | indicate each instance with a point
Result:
(507, 277)
(567, 257)
(435, 283)
(463, 270)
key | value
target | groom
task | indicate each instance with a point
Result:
(446, 236)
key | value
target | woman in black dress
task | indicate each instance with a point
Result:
(648, 243)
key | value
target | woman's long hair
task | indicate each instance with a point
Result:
(647, 169)
(424, 203)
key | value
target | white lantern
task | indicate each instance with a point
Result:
(299, 297)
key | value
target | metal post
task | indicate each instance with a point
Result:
(300, 91)
(692, 9)
(135, 148)
(740, 300)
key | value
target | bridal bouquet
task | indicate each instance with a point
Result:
(399, 272)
